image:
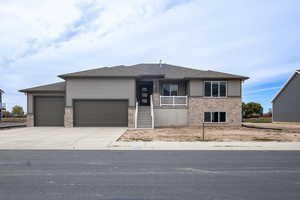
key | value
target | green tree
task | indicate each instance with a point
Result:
(17, 111)
(252, 109)
(244, 110)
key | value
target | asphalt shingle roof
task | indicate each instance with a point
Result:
(165, 70)
(55, 87)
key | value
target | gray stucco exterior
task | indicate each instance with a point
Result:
(233, 88)
(286, 105)
(196, 88)
(100, 88)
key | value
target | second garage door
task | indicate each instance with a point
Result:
(101, 113)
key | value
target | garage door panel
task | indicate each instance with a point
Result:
(49, 111)
(101, 113)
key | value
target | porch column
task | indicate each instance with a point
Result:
(156, 93)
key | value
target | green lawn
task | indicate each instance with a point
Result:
(259, 120)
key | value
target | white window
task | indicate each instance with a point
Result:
(215, 117)
(215, 88)
(170, 89)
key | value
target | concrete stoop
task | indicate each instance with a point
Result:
(144, 118)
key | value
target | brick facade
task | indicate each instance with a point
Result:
(198, 105)
(30, 120)
(131, 117)
(68, 118)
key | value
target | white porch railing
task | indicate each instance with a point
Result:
(136, 114)
(152, 112)
(173, 100)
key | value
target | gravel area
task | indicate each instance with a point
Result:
(221, 134)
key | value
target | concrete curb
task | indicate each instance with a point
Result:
(206, 145)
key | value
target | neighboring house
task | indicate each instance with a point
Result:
(2, 105)
(286, 103)
(137, 96)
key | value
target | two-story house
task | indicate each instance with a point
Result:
(138, 96)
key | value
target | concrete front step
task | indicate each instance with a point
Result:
(144, 125)
(144, 117)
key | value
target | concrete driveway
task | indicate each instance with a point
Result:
(59, 138)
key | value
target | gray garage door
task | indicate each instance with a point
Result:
(101, 113)
(49, 111)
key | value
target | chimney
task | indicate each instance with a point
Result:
(160, 65)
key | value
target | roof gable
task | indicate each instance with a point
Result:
(286, 84)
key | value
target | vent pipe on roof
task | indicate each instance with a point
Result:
(160, 65)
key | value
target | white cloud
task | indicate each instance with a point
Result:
(262, 90)
(42, 39)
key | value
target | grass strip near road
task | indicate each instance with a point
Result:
(258, 120)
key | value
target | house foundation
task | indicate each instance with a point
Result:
(131, 117)
(30, 120)
(68, 117)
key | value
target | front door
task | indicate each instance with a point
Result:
(145, 90)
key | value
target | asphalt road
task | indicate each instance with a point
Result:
(135, 175)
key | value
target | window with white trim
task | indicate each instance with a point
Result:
(215, 88)
(170, 89)
(215, 117)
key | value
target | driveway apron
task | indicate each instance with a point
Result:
(59, 138)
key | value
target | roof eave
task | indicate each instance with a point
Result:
(66, 77)
(236, 78)
(43, 91)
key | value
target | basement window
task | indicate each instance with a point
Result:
(214, 117)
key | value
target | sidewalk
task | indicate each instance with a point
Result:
(205, 146)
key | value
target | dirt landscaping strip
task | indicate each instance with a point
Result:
(218, 134)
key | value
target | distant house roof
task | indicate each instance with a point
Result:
(161, 70)
(286, 84)
(55, 87)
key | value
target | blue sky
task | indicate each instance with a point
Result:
(257, 38)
